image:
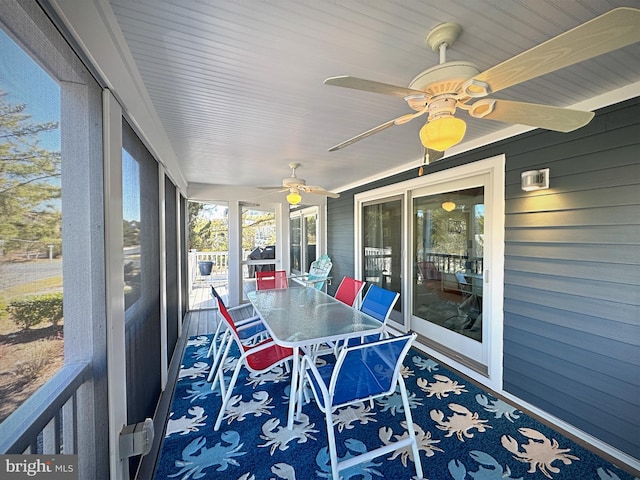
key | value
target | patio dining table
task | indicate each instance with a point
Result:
(300, 318)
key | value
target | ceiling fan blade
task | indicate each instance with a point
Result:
(610, 31)
(320, 191)
(542, 116)
(371, 86)
(410, 116)
(279, 188)
(396, 121)
(366, 134)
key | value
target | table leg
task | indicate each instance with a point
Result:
(295, 373)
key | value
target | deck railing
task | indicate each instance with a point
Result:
(219, 273)
(378, 261)
(219, 267)
(48, 422)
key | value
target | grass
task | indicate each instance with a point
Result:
(29, 357)
(44, 285)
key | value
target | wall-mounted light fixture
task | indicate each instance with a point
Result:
(535, 180)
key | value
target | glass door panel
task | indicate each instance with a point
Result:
(310, 239)
(302, 231)
(259, 237)
(208, 252)
(382, 236)
(296, 244)
(448, 246)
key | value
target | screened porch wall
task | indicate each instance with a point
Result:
(571, 295)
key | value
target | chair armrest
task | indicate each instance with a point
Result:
(248, 323)
(300, 279)
(303, 275)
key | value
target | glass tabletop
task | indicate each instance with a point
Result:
(302, 316)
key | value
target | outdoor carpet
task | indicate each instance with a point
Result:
(463, 432)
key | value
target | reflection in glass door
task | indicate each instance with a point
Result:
(303, 239)
(259, 237)
(382, 235)
(448, 246)
(449, 233)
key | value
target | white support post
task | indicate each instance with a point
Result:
(116, 346)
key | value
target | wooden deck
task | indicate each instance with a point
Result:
(200, 297)
(200, 293)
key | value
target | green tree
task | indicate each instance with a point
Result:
(207, 231)
(29, 182)
(193, 210)
(258, 229)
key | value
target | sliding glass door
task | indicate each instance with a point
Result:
(438, 240)
(448, 242)
(302, 231)
(382, 239)
(448, 264)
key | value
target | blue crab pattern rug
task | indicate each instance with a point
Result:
(463, 433)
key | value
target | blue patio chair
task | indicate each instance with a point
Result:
(318, 274)
(360, 373)
(378, 303)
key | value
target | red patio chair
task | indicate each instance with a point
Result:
(349, 290)
(271, 280)
(257, 358)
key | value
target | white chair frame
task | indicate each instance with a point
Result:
(327, 406)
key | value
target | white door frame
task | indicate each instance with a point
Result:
(494, 250)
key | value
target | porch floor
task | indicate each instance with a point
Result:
(200, 320)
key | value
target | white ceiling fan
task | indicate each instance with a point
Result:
(295, 185)
(440, 90)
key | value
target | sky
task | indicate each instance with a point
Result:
(130, 187)
(26, 83)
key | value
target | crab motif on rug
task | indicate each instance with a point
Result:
(393, 402)
(344, 418)
(199, 391)
(361, 471)
(275, 375)
(199, 369)
(539, 452)
(185, 425)
(278, 437)
(460, 423)
(238, 410)
(442, 388)
(499, 407)
(423, 439)
(494, 471)
(424, 363)
(199, 341)
(196, 457)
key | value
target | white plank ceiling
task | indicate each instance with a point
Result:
(238, 85)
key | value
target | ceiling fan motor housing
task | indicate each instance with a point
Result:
(444, 78)
(293, 182)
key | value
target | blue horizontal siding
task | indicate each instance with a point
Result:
(572, 258)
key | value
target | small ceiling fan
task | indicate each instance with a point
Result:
(295, 186)
(440, 90)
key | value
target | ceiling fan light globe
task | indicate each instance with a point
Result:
(442, 133)
(449, 206)
(294, 198)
